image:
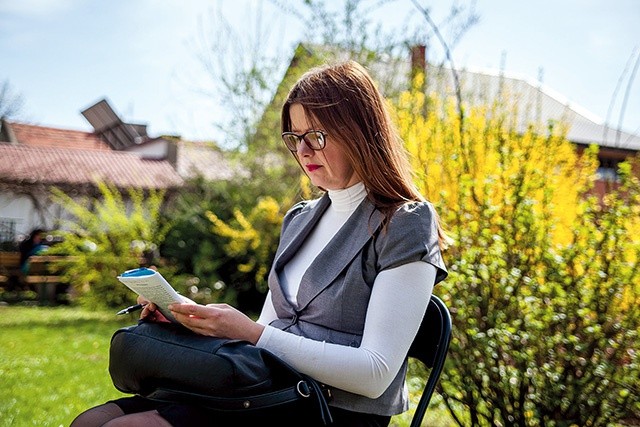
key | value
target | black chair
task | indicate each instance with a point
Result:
(430, 347)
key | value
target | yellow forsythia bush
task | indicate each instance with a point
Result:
(544, 284)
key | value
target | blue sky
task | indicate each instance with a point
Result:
(63, 55)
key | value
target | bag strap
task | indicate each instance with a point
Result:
(304, 389)
(323, 406)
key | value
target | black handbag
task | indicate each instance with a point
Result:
(167, 362)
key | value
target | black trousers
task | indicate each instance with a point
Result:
(300, 414)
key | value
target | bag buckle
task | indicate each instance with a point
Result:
(303, 388)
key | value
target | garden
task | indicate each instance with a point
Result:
(544, 283)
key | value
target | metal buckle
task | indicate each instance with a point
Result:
(303, 388)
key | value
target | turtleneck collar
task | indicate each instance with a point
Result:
(347, 199)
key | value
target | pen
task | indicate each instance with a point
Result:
(130, 309)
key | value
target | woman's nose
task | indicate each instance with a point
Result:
(303, 149)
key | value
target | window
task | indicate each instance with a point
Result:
(608, 169)
(7, 230)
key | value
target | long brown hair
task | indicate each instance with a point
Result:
(345, 101)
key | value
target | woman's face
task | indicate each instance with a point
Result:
(328, 168)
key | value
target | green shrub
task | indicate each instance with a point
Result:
(106, 236)
(544, 280)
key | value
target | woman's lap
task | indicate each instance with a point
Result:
(179, 415)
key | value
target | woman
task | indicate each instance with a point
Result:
(353, 272)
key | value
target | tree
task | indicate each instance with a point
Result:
(251, 77)
(243, 71)
(544, 280)
(10, 103)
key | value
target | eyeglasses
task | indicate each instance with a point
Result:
(315, 139)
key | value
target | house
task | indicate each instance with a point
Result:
(536, 104)
(189, 158)
(539, 104)
(39, 158)
(34, 158)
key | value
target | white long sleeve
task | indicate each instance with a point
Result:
(398, 302)
(268, 313)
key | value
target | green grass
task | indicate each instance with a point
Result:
(54, 365)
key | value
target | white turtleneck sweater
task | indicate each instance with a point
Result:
(343, 204)
(398, 300)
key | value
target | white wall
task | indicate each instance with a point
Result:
(20, 210)
(154, 150)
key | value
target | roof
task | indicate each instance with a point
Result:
(202, 158)
(537, 104)
(192, 157)
(24, 164)
(43, 136)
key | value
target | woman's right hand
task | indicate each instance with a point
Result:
(150, 312)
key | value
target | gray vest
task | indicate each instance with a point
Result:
(335, 290)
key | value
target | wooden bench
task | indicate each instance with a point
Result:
(43, 278)
(40, 276)
(9, 266)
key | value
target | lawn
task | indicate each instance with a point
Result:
(54, 361)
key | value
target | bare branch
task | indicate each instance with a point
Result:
(626, 98)
(242, 70)
(10, 104)
(615, 95)
(447, 51)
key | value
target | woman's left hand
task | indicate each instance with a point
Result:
(217, 320)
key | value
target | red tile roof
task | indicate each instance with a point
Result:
(23, 164)
(42, 136)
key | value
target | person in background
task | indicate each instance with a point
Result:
(353, 273)
(30, 246)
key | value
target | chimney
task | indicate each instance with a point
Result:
(419, 58)
(418, 62)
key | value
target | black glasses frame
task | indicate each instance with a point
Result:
(321, 138)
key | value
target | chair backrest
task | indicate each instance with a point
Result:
(430, 346)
